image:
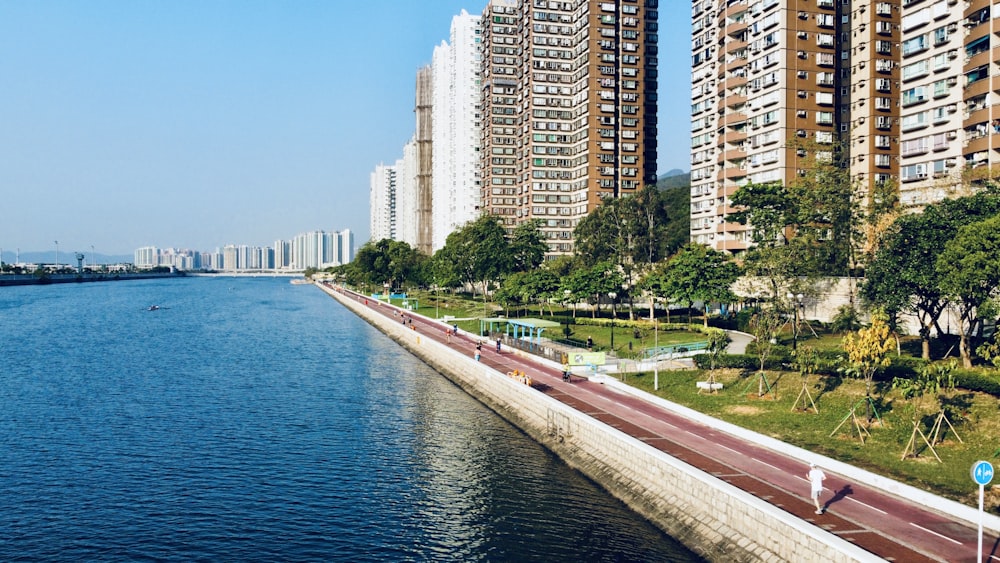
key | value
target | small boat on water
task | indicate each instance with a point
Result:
(300, 281)
(154, 307)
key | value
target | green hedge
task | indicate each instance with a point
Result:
(973, 380)
(644, 324)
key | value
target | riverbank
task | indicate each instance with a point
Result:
(87, 277)
(585, 424)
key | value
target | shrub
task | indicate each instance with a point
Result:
(846, 319)
(975, 380)
(736, 361)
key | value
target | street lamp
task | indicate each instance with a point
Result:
(796, 301)
(57, 256)
(612, 295)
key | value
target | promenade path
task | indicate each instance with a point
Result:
(888, 526)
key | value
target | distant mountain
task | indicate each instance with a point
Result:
(671, 180)
(674, 172)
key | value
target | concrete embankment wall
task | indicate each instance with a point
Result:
(713, 518)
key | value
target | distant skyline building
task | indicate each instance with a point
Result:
(316, 249)
(456, 193)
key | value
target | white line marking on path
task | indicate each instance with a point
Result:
(730, 449)
(936, 534)
(696, 435)
(765, 463)
(867, 505)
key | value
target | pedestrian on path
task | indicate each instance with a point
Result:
(498, 345)
(816, 478)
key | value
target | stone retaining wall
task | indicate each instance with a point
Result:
(711, 517)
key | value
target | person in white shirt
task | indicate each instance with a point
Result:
(816, 478)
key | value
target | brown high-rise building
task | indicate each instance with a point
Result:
(568, 109)
(904, 87)
(779, 85)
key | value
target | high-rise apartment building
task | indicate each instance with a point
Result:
(568, 109)
(423, 159)
(903, 88)
(382, 202)
(455, 114)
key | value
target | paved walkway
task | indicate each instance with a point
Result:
(893, 528)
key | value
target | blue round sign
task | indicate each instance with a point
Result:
(982, 472)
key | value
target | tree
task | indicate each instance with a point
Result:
(764, 325)
(801, 231)
(389, 262)
(902, 276)
(593, 282)
(867, 352)
(927, 382)
(624, 231)
(539, 285)
(477, 254)
(527, 248)
(699, 273)
(969, 274)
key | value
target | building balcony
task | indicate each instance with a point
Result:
(736, 63)
(977, 88)
(730, 119)
(978, 116)
(733, 9)
(735, 100)
(731, 245)
(734, 154)
(735, 46)
(736, 29)
(974, 6)
(978, 144)
(731, 173)
(731, 136)
(979, 59)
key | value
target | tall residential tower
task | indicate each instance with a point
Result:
(456, 189)
(902, 88)
(568, 109)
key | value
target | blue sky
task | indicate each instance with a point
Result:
(195, 124)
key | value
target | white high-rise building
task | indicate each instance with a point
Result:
(345, 246)
(382, 199)
(456, 188)
(146, 257)
(407, 202)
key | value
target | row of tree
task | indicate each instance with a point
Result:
(815, 226)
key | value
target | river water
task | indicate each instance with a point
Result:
(248, 419)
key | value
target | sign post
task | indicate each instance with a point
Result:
(982, 474)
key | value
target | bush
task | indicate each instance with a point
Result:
(975, 380)
(735, 361)
(743, 319)
(904, 367)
